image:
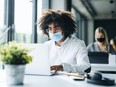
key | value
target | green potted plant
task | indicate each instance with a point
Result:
(14, 57)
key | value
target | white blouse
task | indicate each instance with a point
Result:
(72, 54)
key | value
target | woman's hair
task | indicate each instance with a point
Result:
(63, 19)
(105, 43)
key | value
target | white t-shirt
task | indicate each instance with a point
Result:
(72, 54)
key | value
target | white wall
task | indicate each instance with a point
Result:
(90, 31)
(58, 4)
(45, 4)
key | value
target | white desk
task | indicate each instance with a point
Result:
(52, 81)
(103, 67)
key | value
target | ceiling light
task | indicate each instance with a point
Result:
(111, 1)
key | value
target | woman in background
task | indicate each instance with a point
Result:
(101, 41)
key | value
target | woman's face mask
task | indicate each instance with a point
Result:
(100, 37)
(100, 40)
(56, 36)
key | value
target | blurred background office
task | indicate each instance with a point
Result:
(22, 16)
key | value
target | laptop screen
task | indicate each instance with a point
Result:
(98, 57)
(41, 63)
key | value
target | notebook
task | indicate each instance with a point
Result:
(41, 62)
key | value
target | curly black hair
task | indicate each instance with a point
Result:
(64, 19)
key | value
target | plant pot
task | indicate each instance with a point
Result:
(15, 74)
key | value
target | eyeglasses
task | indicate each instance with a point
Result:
(56, 29)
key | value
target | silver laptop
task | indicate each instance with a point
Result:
(41, 63)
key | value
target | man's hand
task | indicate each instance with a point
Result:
(57, 68)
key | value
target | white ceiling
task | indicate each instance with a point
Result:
(81, 8)
(103, 8)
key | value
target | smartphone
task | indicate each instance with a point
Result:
(79, 78)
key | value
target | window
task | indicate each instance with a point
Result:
(41, 37)
(23, 20)
(1, 13)
(2, 27)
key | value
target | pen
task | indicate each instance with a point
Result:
(74, 74)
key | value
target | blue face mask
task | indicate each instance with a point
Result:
(56, 36)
